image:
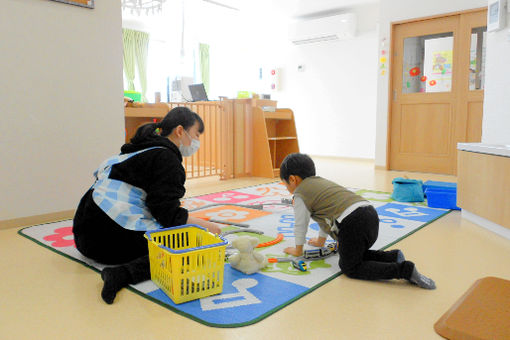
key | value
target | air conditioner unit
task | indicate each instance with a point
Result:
(336, 27)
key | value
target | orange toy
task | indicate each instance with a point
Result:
(278, 238)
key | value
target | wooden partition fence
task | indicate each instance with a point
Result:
(226, 146)
(215, 156)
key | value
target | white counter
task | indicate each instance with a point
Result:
(491, 149)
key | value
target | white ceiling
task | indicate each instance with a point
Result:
(250, 9)
(292, 8)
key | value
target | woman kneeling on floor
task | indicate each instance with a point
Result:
(138, 190)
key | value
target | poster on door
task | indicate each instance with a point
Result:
(438, 64)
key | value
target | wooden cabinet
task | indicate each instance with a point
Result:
(134, 117)
(483, 184)
(274, 137)
(242, 112)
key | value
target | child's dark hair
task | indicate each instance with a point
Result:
(177, 116)
(297, 164)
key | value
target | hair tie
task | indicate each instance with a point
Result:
(157, 130)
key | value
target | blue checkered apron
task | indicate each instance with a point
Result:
(122, 202)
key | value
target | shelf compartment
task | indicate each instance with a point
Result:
(277, 128)
(286, 115)
(281, 138)
(274, 137)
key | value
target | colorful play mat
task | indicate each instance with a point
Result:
(247, 299)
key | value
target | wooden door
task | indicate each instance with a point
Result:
(473, 26)
(432, 106)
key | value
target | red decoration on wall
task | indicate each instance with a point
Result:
(414, 71)
(423, 78)
(432, 82)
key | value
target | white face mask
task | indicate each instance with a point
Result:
(188, 150)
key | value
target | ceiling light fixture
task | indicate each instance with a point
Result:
(143, 6)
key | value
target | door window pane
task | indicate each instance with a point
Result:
(477, 58)
(428, 63)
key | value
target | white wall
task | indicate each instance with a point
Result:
(397, 10)
(60, 101)
(334, 98)
(228, 33)
(496, 107)
(225, 30)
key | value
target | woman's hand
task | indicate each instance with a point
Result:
(210, 226)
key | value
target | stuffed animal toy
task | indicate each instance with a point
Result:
(247, 260)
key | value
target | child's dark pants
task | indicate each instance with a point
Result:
(356, 234)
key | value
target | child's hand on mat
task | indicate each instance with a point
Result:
(317, 241)
(294, 251)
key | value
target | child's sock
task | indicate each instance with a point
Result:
(400, 256)
(115, 278)
(421, 280)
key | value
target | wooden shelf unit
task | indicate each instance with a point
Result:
(274, 137)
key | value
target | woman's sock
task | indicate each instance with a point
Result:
(421, 280)
(115, 278)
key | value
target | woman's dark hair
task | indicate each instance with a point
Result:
(177, 116)
(297, 164)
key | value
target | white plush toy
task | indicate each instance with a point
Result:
(247, 260)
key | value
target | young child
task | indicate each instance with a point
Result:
(348, 218)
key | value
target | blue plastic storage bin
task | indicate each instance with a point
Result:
(444, 199)
(442, 186)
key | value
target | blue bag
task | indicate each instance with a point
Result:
(407, 190)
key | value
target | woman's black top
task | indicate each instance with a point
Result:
(159, 172)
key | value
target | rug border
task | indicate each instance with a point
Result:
(211, 324)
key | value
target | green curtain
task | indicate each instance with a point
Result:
(136, 46)
(128, 37)
(141, 49)
(204, 65)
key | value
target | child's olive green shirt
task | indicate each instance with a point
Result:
(325, 200)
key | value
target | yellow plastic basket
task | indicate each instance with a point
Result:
(186, 262)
